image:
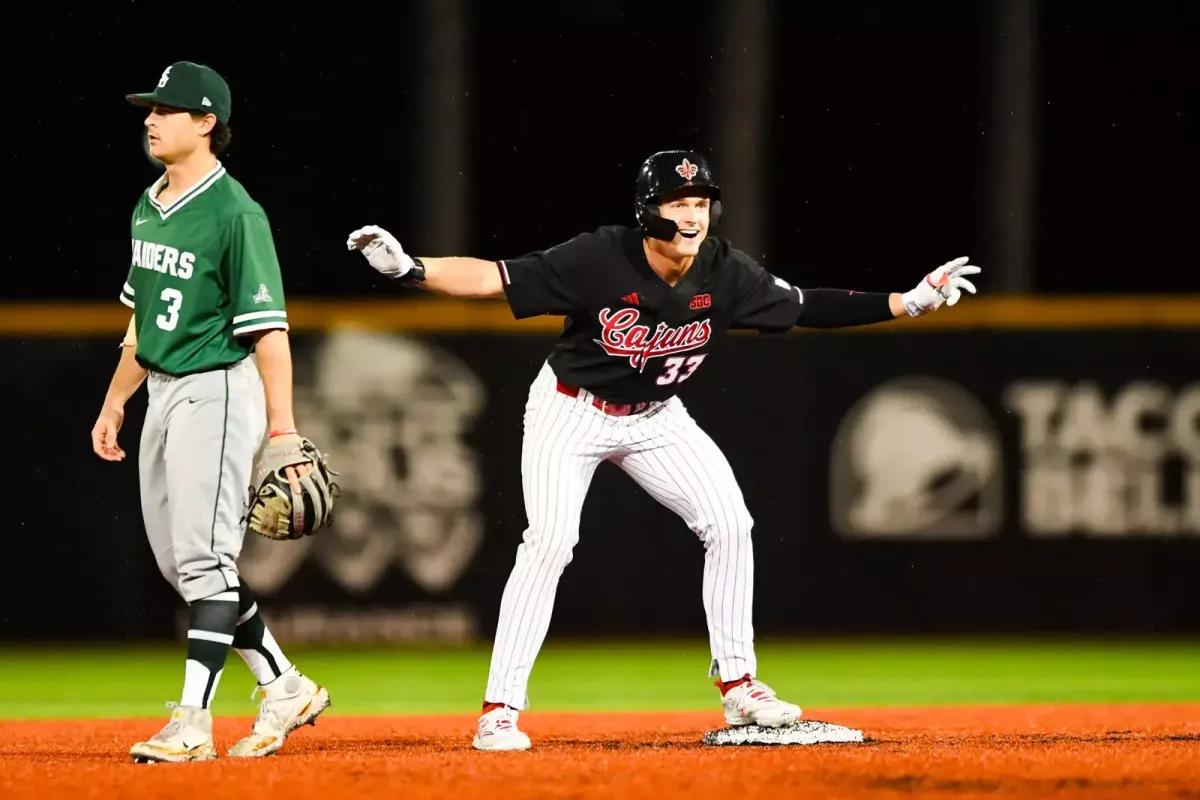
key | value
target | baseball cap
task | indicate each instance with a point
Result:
(190, 87)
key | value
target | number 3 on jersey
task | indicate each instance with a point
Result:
(673, 365)
(169, 320)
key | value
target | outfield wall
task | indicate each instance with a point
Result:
(1010, 465)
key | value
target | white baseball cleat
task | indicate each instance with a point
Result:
(186, 737)
(498, 731)
(289, 702)
(755, 703)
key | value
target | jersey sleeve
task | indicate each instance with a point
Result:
(127, 293)
(763, 302)
(255, 282)
(549, 281)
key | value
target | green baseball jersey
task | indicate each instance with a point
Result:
(204, 274)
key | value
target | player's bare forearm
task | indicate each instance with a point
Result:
(454, 276)
(274, 356)
(462, 277)
(896, 303)
(126, 379)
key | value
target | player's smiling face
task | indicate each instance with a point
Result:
(690, 215)
(174, 135)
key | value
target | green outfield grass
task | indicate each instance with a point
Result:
(653, 675)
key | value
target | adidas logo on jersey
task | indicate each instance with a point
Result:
(632, 299)
(623, 337)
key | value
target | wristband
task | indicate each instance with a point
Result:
(416, 274)
(283, 432)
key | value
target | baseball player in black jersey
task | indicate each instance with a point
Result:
(644, 308)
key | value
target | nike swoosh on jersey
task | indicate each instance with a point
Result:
(140, 221)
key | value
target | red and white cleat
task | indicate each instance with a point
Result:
(751, 702)
(498, 731)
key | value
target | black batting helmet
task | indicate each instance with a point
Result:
(672, 174)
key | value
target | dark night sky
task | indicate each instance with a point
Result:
(877, 139)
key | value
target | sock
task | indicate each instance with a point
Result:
(725, 686)
(493, 706)
(254, 642)
(210, 632)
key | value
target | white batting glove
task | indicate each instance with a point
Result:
(382, 250)
(944, 285)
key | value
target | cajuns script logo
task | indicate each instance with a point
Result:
(687, 169)
(621, 336)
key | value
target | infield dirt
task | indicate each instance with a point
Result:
(1077, 751)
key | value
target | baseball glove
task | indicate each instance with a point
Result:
(275, 510)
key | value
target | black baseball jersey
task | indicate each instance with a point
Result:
(629, 336)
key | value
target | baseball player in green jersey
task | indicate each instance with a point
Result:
(209, 336)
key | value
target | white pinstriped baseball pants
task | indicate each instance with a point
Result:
(673, 460)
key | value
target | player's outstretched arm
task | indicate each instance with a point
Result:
(126, 380)
(838, 308)
(456, 277)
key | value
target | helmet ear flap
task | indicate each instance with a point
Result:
(654, 224)
(649, 220)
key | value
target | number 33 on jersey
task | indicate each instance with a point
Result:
(674, 365)
(203, 273)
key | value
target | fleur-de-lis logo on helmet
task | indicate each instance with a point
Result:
(687, 169)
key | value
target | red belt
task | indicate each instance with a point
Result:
(612, 409)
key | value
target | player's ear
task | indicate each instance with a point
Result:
(205, 123)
